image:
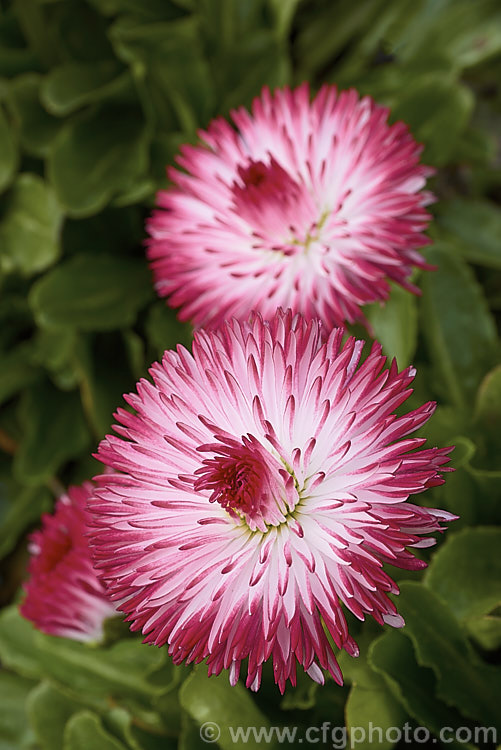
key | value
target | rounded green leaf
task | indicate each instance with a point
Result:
(92, 293)
(395, 325)
(170, 58)
(215, 705)
(37, 128)
(30, 228)
(72, 85)
(488, 405)
(15, 732)
(17, 644)
(103, 371)
(365, 708)
(392, 656)
(463, 680)
(48, 711)
(24, 509)
(457, 324)
(119, 670)
(85, 731)
(96, 155)
(8, 152)
(55, 431)
(125, 668)
(124, 726)
(475, 228)
(164, 330)
(283, 11)
(302, 696)
(466, 571)
(486, 631)
(17, 371)
(437, 110)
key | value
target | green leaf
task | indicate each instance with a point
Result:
(460, 493)
(482, 486)
(479, 41)
(138, 192)
(22, 511)
(357, 671)
(85, 731)
(96, 155)
(457, 323)
(15, 56)
(164, 147)
(39, 34)
(244, 53)
(164, 330)
(111, 232)
(81, 33)
(15, 733)
(284, 11)
(168, 679)
(315, 49)
(366, 707)
(53, 348)
(476, 147)
(48, 711)
(486, 631)
(466, 33)
(488, 412)
(488, 405)
(302, 696)
(395, 325)
(37, 128)
(74, 84)
(392, 656)
(189, 737)
(437, 110)
(213, 702)
(154, 10)
(17, 371)
(104, 375)
(168, 56)
(258, 62)
(462, 679)
(369, 696)
(137, 733)
(475, 228)
(92, 293)
(8, 152)
(92, 673)
(55, 431)
(120, 721)
(120, 670)
(17, 644)
(443, 428)
(30, 227)
(134, 346)
(466, 572)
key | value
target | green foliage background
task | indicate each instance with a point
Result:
(95, 98)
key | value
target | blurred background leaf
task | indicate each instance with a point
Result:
(96, 97)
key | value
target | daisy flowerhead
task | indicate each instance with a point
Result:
(312, 206)
(63, 595)
(260, 484)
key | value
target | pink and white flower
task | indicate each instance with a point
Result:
(312, 206)
(260, 485)
(64, 596)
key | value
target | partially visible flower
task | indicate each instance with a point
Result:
(308, 205)
(261, 483)
(63, 594)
